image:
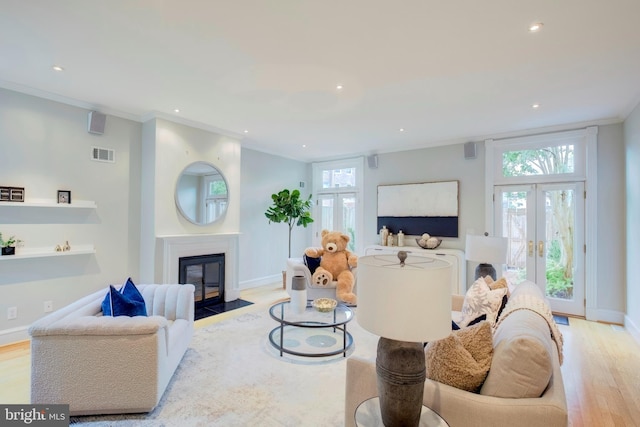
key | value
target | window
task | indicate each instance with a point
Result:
(337, 189)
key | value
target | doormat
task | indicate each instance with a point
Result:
(219, 308)
(561, 320)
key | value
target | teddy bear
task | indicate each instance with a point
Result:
(335, 264)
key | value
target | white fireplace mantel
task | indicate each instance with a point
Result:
(171, 248)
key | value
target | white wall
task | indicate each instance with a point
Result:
(45, 147)
(444, 163)
(264, 246)
(448, 163)
(632, 158)
(611, 225)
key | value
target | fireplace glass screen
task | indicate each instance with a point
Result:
(206, 273)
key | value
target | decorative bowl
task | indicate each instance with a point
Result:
(432, 243)
(324, 305)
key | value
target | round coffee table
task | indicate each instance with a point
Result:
(310, 333)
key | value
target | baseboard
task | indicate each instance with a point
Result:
(262, 281)
(632, 328)
(10, 336)
(611, 316)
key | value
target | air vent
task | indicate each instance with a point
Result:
(103, 155)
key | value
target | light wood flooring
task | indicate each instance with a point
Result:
(601, 369)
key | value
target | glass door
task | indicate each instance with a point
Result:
(337, 212)
(544, 224)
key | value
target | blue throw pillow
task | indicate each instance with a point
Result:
(311, 263)
(126, 302)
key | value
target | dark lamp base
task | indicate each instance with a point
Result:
(401, 373)
(485, 270)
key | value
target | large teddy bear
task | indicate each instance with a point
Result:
(335, 264)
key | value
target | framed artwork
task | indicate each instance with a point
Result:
(11, 194)
(64, 196)
(428, 207)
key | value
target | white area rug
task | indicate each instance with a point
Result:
(232, 376)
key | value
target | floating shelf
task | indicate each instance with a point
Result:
(23, 253)
(80, 204)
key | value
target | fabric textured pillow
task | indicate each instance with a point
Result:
(126, 302)
(461, 360)
(480, 300)
(521, 365)
(500, 283)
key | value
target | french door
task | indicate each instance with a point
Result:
(544, 225)
(337, 212)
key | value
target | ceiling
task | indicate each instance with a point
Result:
(443, 71)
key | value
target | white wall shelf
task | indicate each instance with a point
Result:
(23, 253)
(80, 204)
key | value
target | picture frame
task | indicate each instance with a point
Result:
(11, 194)
(64, 196)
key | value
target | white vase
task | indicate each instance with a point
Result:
(298, 294)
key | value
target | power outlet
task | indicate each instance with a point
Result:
(12, 313)
(48, 306)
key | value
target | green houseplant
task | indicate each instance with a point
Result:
(9, 246)
(290, 208)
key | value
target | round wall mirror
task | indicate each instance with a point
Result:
(202, 194)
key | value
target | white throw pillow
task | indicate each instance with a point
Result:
(479, 300)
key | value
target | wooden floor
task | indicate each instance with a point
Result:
(601, 370)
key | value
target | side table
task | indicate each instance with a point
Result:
(368, 415)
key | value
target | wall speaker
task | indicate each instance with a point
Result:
(373, 161)
(97, 122)
(470, 150)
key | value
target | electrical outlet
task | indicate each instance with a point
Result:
(12, 313)
(48, 306)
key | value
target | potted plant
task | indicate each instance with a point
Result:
(288, 207)
(9, 246)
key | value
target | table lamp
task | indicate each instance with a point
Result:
(486, 251)
(406, 300)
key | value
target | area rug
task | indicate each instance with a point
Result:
(232, 376)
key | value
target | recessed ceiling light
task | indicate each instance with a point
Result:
(246, 131)
(339, 87)
(304, 145)
(401, 129)
(177, 110)
(535, 106)
(57, 68)
(534, 28)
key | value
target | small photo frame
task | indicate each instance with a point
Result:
(64, 196)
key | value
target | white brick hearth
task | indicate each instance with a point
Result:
(171, 248)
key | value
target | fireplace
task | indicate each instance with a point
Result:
(206, 273)
(171, 248)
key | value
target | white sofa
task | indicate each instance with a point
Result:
(524, 354)
(104, 365)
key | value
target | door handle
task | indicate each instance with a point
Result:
(540, 248)
(530, 247)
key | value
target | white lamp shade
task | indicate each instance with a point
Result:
(410, 303)
(485, 249)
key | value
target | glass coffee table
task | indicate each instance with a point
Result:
(310, 333)
(368, 415)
